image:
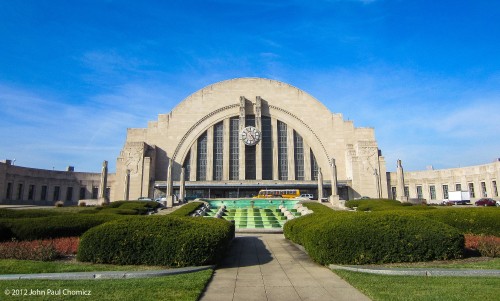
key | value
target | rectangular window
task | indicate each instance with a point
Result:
(43, 194)
(218, 159)
(432, 192)
(419, 193)
(57, 191)
(69, 194)
(187, 167)
(483, 189)
(394, 193)
(83, 191)
(31, 192)
(20, 191)
(314, 167)
(234, 148)
(267, 149)
(445, 192)
(95, 192)
(282, 151)
(299, 156)
(8, 194)
(471, 190)
(495, 189)
(201, 166)
(407, 191)
(458, 187)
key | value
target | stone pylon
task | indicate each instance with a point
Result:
(103, 184)
(400, 188)
(320, 185)
(127, 185)
(170, 185)
(334, 198)
(377, 182)
(182, 188)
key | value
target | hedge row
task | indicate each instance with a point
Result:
(157, 240)
(187, 209)
(25, 213)
(480, 221)
(51, 226)
(383, 205)
(472, 220)
(374, 237)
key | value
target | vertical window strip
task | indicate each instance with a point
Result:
(299, 156)
(282, 151)
(201, 164)
(187, 166)
(314, 167)
(267, 149)
(218, 151)
(234, 153)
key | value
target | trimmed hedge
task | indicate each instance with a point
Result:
(384, 204)
(481, 220)
(52, 226)
(27, 213)
(157, 240)
(472, 220)
(187, 209)
(375, 237)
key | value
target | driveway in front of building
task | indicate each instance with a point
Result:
(269, 267)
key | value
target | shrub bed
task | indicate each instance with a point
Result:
(187, 209)
(66, 225)
(26, 213)
(484, 245)
(44, 250)
(384, 204)
(157, 240)
(364, 238)
(480, 221)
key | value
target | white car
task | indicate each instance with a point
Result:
(307, 196)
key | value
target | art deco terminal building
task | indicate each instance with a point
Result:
(236, 137)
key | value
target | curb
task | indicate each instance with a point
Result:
(419, 271)
(104, 275)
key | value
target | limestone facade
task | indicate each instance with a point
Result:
(434, 185)
(298, 134)
(23, 185)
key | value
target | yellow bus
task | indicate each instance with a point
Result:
(278, 193)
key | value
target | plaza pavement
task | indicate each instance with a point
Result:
(269, 267)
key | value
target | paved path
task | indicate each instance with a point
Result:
(268, 267)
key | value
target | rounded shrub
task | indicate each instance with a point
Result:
(187, 209)
(364, 238)
(66, 225)
(26, 213)
(157, 240)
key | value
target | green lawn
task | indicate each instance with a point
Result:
(381, 287)
(492, 263)
(12, 266)
(176, 287)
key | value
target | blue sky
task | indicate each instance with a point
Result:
(74, 75)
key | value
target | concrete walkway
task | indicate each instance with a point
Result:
(268, 267)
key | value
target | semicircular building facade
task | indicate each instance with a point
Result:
(235, 137)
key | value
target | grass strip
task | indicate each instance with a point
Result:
(414, 288)
(13, 266)
(183, 287)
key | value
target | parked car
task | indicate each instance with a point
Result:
(145, 199)
(486, 202)
(307, 196)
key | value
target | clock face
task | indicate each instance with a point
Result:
(250, 135)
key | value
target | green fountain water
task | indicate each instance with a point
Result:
(253, 213)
